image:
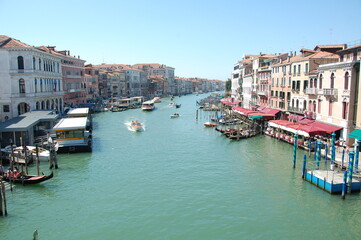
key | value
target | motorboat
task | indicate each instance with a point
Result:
(172, 104)
(148, 106)
(136, 126)
(44, 155)
(174, 115)
(156, 100)
(178, 105)
(209, 124)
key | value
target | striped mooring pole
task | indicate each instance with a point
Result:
(333, 151)
(344, 185)
(357, 149)
(318, 155)
(304, 167)
(343, 158)
(295, 150)
(350, 171)
(326, 152)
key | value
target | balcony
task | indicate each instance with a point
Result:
(37, 94)
(295, 109)
(33, 71)
(312, 91)
(329, 91)
(262, 93)
(74, 76)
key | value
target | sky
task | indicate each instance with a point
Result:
(199, 38)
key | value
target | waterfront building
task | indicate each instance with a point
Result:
(125, 80)
(155, 69)
(30, 78)
(281, 84)
(91, 82)
(261, 75)
(235, 85)
(337, 93)
(301, 66)
(72, 74)
(246, 80)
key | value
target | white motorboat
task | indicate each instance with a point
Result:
(148, 106)
(136, 126)
(44, 155)
(175, 115)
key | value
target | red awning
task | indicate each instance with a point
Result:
(327, 127)
(243, 111)
(229, 101)
(270, 111)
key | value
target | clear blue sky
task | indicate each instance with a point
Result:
(197, 38)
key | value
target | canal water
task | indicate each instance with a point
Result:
(177, 180)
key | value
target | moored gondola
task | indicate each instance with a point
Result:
(27, 179)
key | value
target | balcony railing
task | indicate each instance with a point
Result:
(329, 91)
(295, 109)
(263, 93)
(34, 71)
(312, 91)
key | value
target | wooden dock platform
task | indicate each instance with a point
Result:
(331, 181)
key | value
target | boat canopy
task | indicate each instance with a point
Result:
(71, 123)
(78, 112)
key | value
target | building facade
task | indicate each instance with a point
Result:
(31, 79)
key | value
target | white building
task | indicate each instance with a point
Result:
(30, 79)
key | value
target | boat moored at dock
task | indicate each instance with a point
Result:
(72, 135)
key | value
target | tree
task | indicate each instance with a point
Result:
(228, 87)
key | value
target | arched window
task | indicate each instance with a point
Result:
(319, 106)
(20, 62)
(34, 63)
(41, 86)
(330, 108)
(37, 106)
(320, 86)
(314, 106)
(47, 104)
(346, 81)
(36, 85)
(304, 105)
(42, 105)
(39, 64)
(21, 86)
(332, 80)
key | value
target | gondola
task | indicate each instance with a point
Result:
(29, 179)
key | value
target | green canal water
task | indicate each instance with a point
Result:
(177, 180)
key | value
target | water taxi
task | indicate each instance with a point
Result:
(175, 115)
(156, 100)
(148, 106)
(73, 135)
(136, 126)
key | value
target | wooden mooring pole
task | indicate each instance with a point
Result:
(3, 200)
